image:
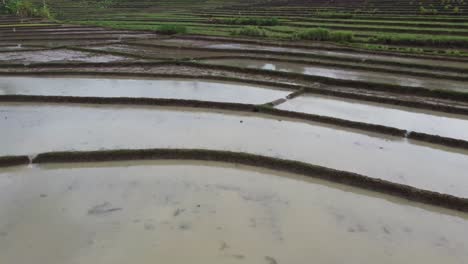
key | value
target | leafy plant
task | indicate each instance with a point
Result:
(104, 3)
(251, 21)
(251, 31)
(25, 8)
(330, 14)
(341, 36)
(171, 29)
(321, 34)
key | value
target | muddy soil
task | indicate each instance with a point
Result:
(158, 53)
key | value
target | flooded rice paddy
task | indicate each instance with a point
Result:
(341, 54)
(446, 125)
(172, 89)
(58, 55)
(156, 53)
(206, 212)
(31, 129)
(180, 212)
(353, 75)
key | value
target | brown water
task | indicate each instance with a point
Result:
(363, 56)
(57, 56)
(158, 53)
(454, 126)
(342, 54)
(162, 88)
(354, 75)
(31, 129)
(173, 212)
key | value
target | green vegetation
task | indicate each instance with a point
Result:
(420, 40)
(105, 3)
(411, 50)
(171, 29)
(320, 34)
(331, 14)
(25, 8)
(425, 11)
(415, 26)
(250, 21)
(250, 31)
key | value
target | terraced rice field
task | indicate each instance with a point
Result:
(120, 145)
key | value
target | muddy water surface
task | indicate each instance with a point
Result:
(175, 89)
(454, 126)
(344, 74)
(342, 54)
(30, 129)
(158, 53)
(57, 56)
(146, 212)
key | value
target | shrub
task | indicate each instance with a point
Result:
(250, 31)
(25, 8)
(20, 7)
(43, 12)
(171, 29)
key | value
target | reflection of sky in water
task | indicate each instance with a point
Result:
(179, 89)
(58, 55)
(269, 66)
(442, 125)
(29, 129)
(355, 75)
(362, 56)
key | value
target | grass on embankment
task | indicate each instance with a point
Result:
(420, 40)
(379, 42)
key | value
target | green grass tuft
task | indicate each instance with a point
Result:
(250, 21)
(251, 31)
(321, 34)
(171, 29)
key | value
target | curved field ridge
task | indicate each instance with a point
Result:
(434, 139)
(342, 177)
(394, 88)
(429, 105)
(7, 161)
